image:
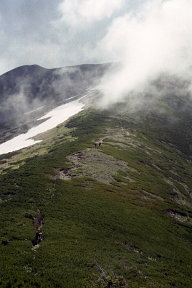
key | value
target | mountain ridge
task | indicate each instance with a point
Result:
(135, 230)
(104, 201)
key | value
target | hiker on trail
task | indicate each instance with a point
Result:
(98, 144)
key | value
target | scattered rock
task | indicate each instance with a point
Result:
(38, 238)
(95, 164)
(37, 222)
(110, 280)
(29, 216)
(5, 242)
(150, 196)
(179, 216)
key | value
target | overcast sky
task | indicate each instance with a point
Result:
(55, 33)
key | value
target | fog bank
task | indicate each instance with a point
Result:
(155, 40)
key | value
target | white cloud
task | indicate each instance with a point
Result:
(53, 40)
(81, 12)
(157, 39)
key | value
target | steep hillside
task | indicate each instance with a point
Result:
(27, 92)
(104, 201)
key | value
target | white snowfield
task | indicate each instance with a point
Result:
(55, 117)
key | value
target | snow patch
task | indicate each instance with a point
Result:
(54, 118)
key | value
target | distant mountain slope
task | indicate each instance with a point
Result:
(27, 92)
(36, 82)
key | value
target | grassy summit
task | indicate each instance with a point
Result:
(118, 215)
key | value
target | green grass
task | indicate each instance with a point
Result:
(92, 226)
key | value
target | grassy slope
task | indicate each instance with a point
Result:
(96, 232)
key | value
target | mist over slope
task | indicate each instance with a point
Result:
(26, 87)
(152, 41)
(28, 92)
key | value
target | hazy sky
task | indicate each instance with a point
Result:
(55, 33)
